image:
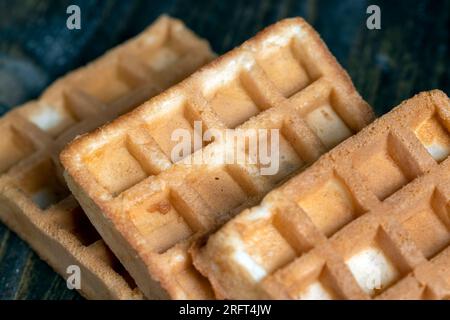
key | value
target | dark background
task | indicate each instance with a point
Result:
(408, 55)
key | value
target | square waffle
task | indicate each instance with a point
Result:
(34, 200)
(149, 208)
(368, 220)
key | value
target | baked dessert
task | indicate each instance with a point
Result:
(370, 212)
(34, 200)
(150, 207)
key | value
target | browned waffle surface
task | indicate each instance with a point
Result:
(149, 208)
(34, 200)
(369, 219)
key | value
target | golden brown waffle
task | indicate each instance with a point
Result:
(149, 209)
(399, 250)
(34, 202)
(341, 229)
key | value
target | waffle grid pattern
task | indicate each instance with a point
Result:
(284, 78)
(34, 200)
(368, 220)
(403, 245)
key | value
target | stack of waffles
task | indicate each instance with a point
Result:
(370, 219)
(151, 209)
(354, 210)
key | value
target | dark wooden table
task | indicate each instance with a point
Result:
(408, 55)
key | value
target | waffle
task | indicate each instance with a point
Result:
(367, 220)
(34, 200)
(398, 250)
(149, 209)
